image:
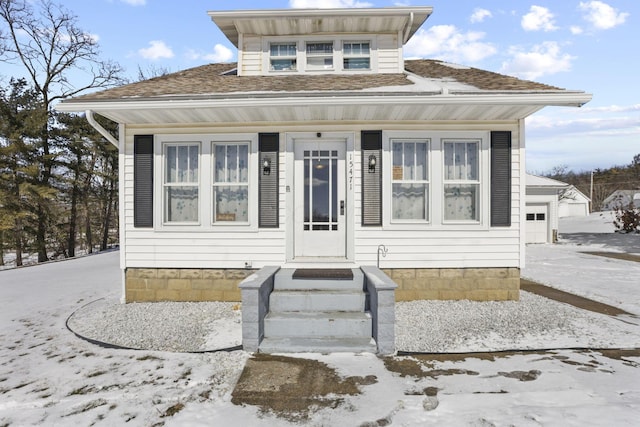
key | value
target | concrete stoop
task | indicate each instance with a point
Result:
(317, 315)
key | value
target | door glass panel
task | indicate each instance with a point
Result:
(320, 190)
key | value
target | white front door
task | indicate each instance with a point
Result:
(319, 199)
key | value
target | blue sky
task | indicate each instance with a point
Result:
(574, 44)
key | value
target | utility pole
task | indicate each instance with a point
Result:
(591, 194)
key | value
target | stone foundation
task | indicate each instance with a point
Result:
(476, 284)
(176, 284)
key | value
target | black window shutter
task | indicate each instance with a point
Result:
(500, 179)
(143, 181)
(371, 141)
(268, 180)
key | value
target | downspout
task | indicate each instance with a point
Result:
(97, 126)
(407, 30)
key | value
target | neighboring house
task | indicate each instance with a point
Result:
(573, 202)
(320, 145)
(621, 198)
(541, 219)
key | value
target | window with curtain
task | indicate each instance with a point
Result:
(231, 182)
(356, 55)
(180, 183)
(410, 180)
(319, 56)
(283, 56)
(461, 180)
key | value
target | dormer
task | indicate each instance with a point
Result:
(320, 41)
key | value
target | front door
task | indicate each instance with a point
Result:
(319, 196)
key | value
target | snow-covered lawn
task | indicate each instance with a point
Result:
(50, 377)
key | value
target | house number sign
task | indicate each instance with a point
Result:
(350, 171)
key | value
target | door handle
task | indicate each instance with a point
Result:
(341, 207)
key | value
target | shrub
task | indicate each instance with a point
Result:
(627, 220)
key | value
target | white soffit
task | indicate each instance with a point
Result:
(297, 110)
(284, 22)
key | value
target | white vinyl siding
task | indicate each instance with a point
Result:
(251, 55)
(389, 56)
(423, 245)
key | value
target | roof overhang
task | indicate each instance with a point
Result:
(285, 22)
(325, 107)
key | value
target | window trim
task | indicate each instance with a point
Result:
(331, 55)
(214, 183)
(426, 181)
(462, 182)
(338, 57)
(356, 56)
(436, 184)
(164, 183)
(205, 193)
(295, 57)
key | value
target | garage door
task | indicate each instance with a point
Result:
(537, 226)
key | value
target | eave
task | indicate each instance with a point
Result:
(326, 107)
(283, 22)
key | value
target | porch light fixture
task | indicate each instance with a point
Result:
(372, 164)
(266, 167)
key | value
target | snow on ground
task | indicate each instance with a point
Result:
(565, 265)
(48, 376)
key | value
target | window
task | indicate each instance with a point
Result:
(180, 183)
(282, 56)
(231, 183)
(410, 181)
(461, 181)
(320, 56)
(356, 55)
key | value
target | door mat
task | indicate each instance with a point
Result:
(323, 273)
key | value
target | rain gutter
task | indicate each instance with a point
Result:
(97, 126)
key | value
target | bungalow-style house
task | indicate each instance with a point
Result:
(322, 148)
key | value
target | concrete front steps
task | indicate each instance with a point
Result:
(317, 315)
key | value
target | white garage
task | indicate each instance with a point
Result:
(537, 226)
(541, 219)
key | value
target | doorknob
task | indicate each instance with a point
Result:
(341, 207)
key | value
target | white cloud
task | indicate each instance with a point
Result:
(448, 43)
(220, 54)
(538, 18)
(575, 30)
(479, 15)
(601, 15)
(157, 50)
(545, 58)
(135, 2)
(327, 4)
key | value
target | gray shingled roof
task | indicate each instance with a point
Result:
(215, 79)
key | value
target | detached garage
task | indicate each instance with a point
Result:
(542, 209)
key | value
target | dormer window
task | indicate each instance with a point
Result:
(283, 56)
(320, 56)
(356, 55)
(310, 54)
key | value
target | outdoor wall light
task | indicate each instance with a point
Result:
(266, 167)
(372, 164)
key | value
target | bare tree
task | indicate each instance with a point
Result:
(47, 42)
